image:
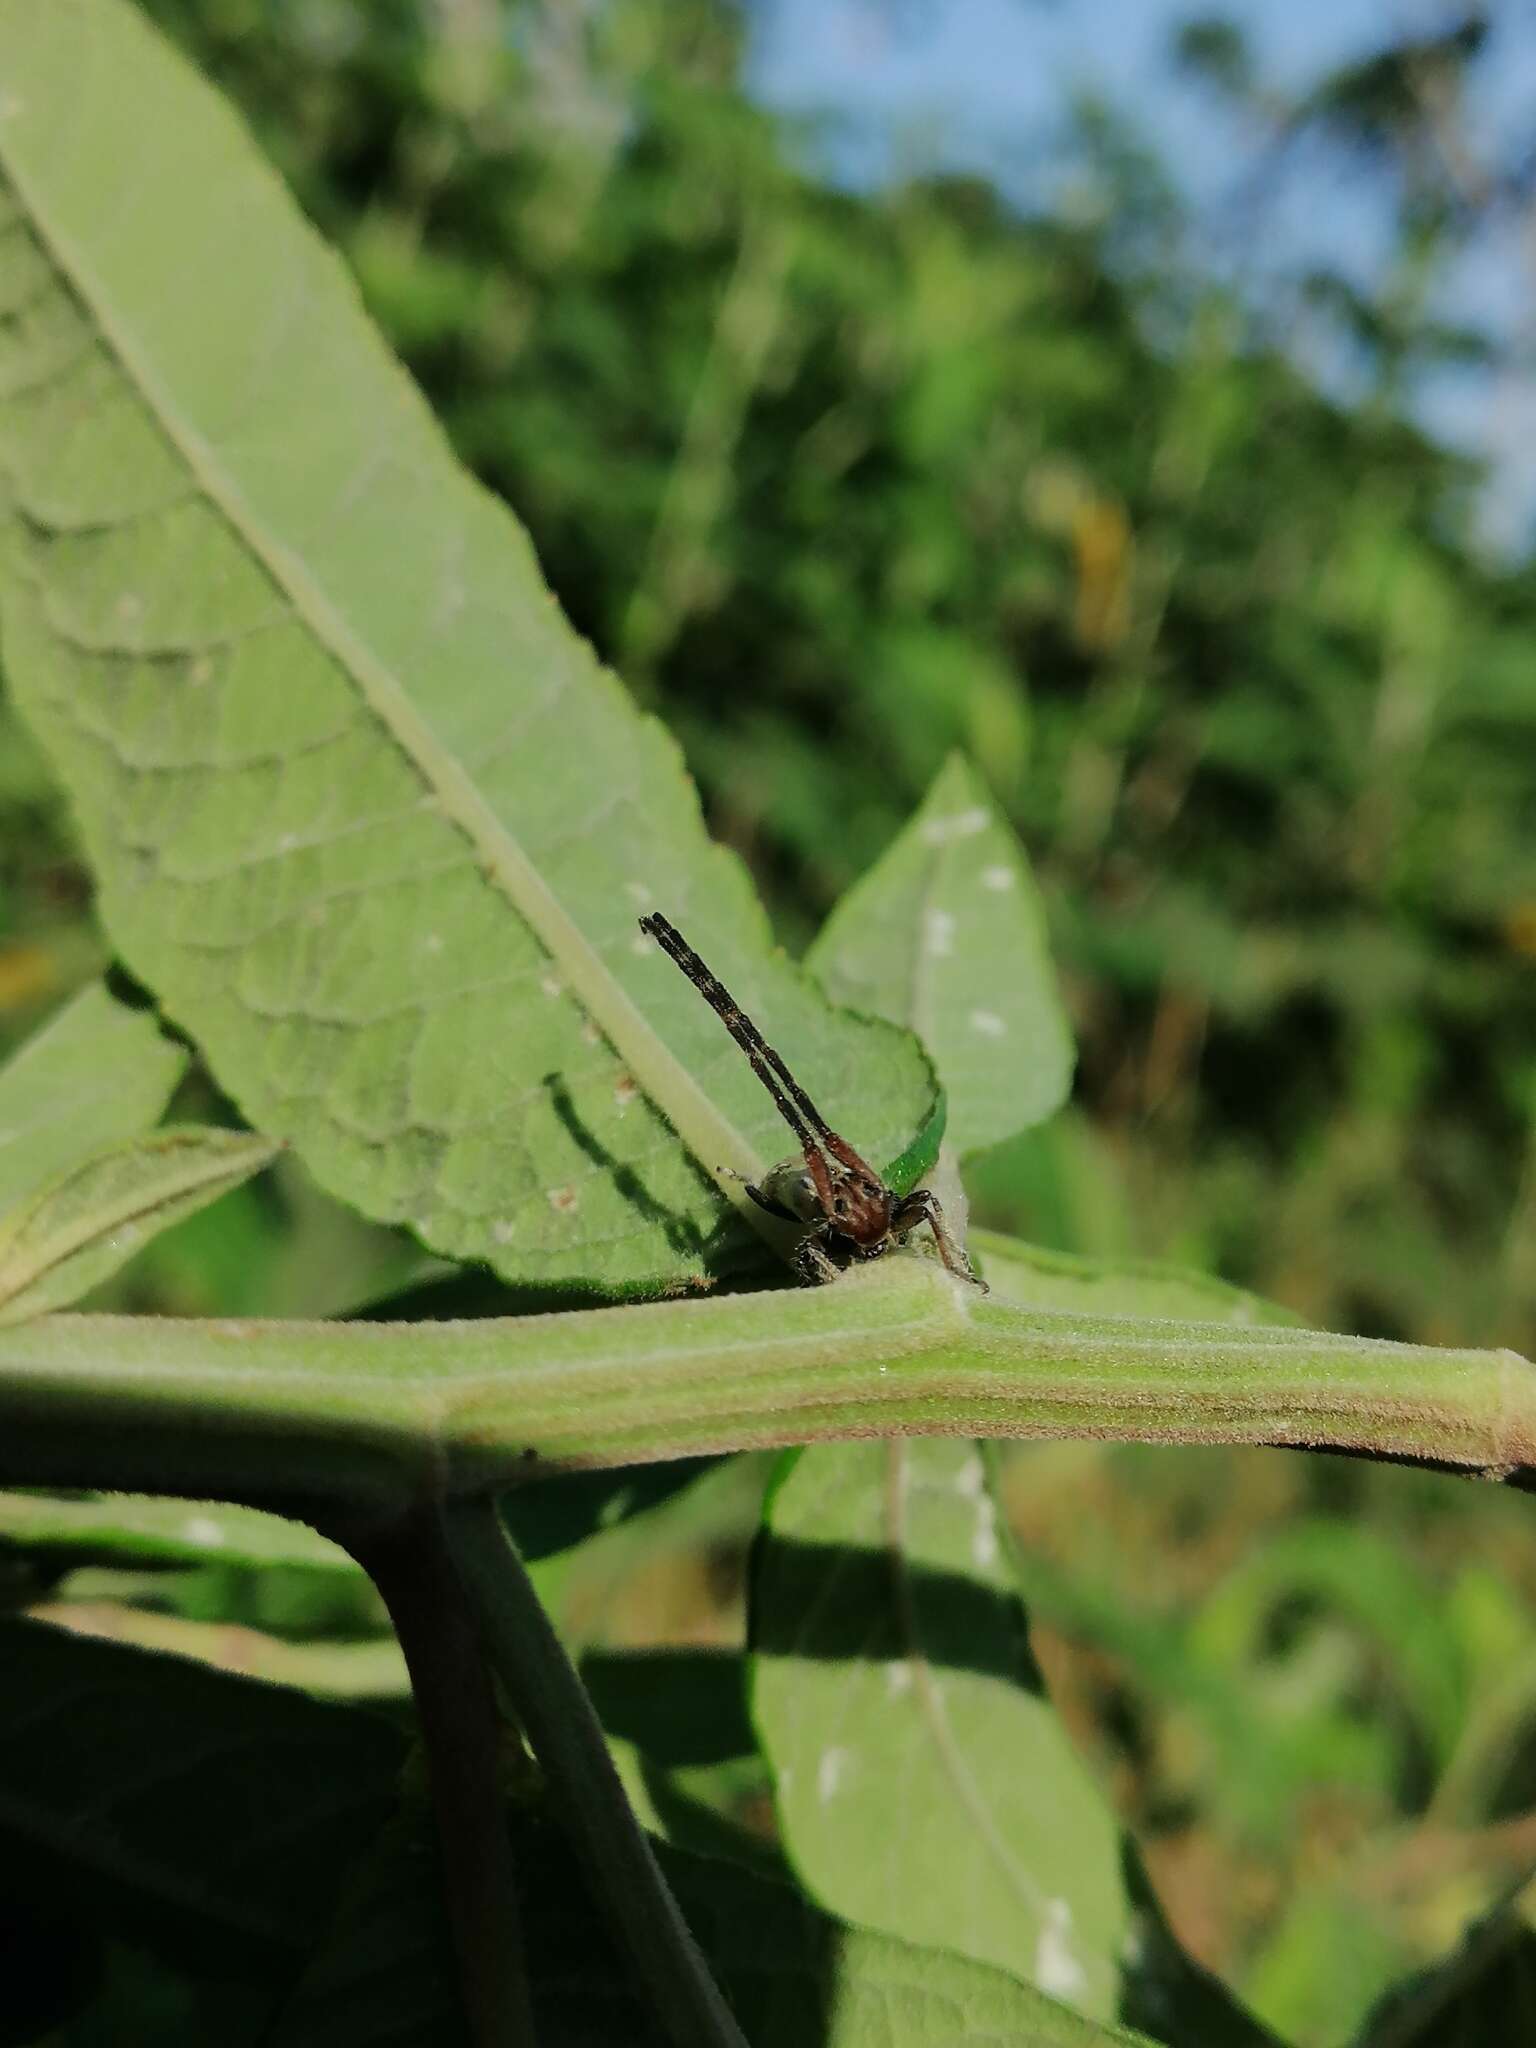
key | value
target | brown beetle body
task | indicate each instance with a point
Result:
(849, 1212)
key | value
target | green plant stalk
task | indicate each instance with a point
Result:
(381, 1412)
(408, 1561)
(553, 1706)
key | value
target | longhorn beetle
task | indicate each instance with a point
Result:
(848, 1211)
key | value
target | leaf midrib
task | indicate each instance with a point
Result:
(920, 982)
(709, 1135)
(925, 1686)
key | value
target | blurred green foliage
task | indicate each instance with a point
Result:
(841, 481)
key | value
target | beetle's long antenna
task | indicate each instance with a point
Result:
(794, 1105)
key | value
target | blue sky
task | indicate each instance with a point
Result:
(889, 85)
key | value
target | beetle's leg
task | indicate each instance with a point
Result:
(922, 1207)
(814, 1263)
(763, 1201)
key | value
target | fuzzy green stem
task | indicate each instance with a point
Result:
(380, 1412)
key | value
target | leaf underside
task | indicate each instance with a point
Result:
(366, 813)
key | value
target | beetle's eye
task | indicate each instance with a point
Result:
(839, 1206)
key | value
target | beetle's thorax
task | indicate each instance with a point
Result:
(822, 1189)
(854, 1200)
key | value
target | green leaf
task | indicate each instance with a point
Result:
(1380, 1591)
(365, 812)
(1032, 1276)
(683, 1744)
(89, 1221)
(1327, 1961)
(795, 1977)
(218, 1820)
(924, 1784)
(798, 1976)
(1483, 1990)
(205, 1815)
(559, 1513)
(946, 934)
(325, 1668)
(128, 1528)
(97, 1072)
(679, 1706)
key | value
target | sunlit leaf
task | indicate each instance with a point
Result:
(1035, 1277)
(365, 812)
(97, 1072)
(923, 1782)
(946, 934)
(372, 1668)
(82, 1226)
(894, 1692)
(140, 1529)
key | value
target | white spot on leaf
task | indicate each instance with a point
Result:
(551, 984)
(504, 1231)
(204, 1530)
(959, 825)
(988, 1023)
(1057, 1970)
(638, 892)
(898, 1677)
(939, 933)
(829, 1773)
(998, 878)
(971, 1480)
(984, 1539)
